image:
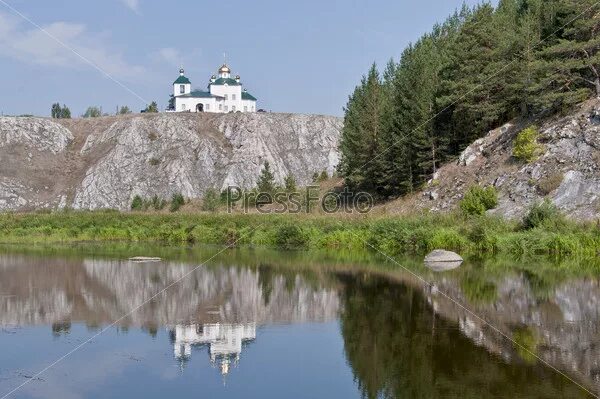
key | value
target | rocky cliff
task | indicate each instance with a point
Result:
(104, 162)
(567, 173)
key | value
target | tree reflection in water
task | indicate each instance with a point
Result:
(398, 348)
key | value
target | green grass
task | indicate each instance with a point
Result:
(391, 235)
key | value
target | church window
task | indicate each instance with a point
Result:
(220, 107)
(181, 89)
(183, 107)
(207, 107)
(233, 108)
(233, 97)
(225, 97)
(226, 108)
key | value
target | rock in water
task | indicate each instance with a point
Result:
(144, 259)
(441, 260)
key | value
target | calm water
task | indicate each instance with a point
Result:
(282, 325)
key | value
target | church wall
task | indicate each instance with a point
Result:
(250, 104)
(222, 90)
(188, 88)
(190, 104)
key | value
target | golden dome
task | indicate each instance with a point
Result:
(224, 69)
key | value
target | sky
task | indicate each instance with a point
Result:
(294, 56)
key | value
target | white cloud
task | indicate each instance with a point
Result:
(171, 56)
(132, 4)
(26, 43)
(190, 59)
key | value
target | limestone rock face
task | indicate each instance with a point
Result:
(567, 173)
(104, 162)
(35, 134)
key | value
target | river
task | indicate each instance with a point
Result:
(250, 323)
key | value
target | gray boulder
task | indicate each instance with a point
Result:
(441, 260)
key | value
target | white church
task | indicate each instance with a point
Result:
(225, 94)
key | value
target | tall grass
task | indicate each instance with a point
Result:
(391, 235)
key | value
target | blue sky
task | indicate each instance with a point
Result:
(294, 56)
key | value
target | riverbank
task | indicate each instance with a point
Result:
(553, 236)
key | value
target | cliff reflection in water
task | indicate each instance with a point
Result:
(219, 307)
(97, 292)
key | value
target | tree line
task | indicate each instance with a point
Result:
(480, 68)
(58, 112)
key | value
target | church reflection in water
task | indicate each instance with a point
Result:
(225, 342)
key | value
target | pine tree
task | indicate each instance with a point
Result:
(55, 111)
(426, 146)
(479, 69)
(92, 112)
(65, 112)
(360, 135)
(123, 110)
(412, 146)
(290, 184)
(568, 71)
(350, 141)
(152, 108)
(266, 180)
(472, 84)
(385, 160)
(528, 41)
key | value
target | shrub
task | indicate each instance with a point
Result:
(323, 176)
(137, 204)
(290, 236)
(290, 184)
(92, 112)
(158, 203)
(447, 238)
(549, 183)
(526, 147)
(542, 214)
(205, 234)
(562, 244)
(177, 201)
(211, 200)
(231, 237)
(230, 196)
(477, 200)
(154, 161)
(483, 237)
